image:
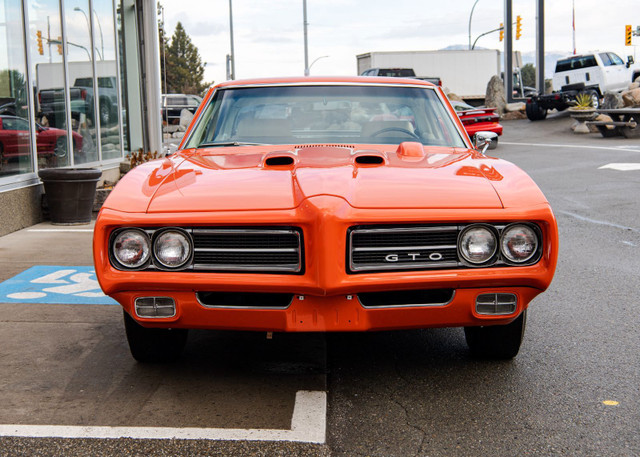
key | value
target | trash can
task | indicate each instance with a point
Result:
(70, 193)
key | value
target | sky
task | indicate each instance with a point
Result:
(269, 35)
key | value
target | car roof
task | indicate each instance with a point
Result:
(364, 80)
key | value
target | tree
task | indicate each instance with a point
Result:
(184, 67)
(528, 73)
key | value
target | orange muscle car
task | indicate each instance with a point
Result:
(325, 204)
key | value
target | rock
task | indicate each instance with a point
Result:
(185, 117)
(125, 166)
(612, 100)
(513, 115)
(178, 135)
(634, 85)
(170, 128)
(601, 118)
(495, 97)
(637, 80)
(182, 128)
(511, 107)
(631, 97)
(456, 97)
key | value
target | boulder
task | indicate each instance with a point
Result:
(612, 100)
(634, 85)
(511, 107)
(452, 96)
(185, 117)
(631, 97)
(495, 97)
(513, 115)
(601, 118)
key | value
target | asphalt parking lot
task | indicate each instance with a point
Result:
(70, 387)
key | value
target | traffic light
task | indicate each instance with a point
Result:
(518, 27)
(39, 41)
(501, 31)
(627, 35)
(60, 45)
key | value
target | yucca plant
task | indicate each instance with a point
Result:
(583, 102)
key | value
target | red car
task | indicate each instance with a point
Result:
(51, 142)
(478, 120)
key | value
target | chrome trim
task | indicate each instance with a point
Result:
(448, 228)
(405, 266)
(496, 250)
(279, 308)
(154, 242)
(404, 248)
(247, 250)
(414, 305)
(175, 308)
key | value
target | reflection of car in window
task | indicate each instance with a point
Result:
(271, 218)
(15, 141)
(173, 104)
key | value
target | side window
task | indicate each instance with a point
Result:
(9, 123)
(615, 59)
(21, 124)
(606, 61)
(589, 61)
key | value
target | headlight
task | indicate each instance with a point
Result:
(477, 244)
(172, 248)
(519, 243)
(131, 248)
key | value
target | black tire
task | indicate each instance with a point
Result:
(105, 113)
(595, 98)
(496, 341)
(154, 345)
(60, 149)
(535, 112)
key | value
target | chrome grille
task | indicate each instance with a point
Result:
(402, 248)
(265, 250)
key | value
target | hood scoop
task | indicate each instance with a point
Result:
(369, 158)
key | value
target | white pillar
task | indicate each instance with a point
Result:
(151, 68)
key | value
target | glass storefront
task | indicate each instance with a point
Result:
(68, 60)
(15, 134)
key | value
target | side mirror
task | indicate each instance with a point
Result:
(483, 140)
(630, 60)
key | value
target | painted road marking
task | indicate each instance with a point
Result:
(577, 146)
(308, 425)
(621, 166)
(47, 284)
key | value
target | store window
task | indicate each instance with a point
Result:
(47, 73)
(15, 150)
(105, 46)
(80, 68)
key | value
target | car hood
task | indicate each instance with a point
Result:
(257, 178)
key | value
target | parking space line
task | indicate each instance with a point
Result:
(60, 230)
(308, 425)
(575, 146)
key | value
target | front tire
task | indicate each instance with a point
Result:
(154, 345)
(496, 341)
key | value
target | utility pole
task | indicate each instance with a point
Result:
(232, 58)
(306, 47)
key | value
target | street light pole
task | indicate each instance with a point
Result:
(77, 8)
(306, 47)
(309, 69)
(232, 72)
(470, 16)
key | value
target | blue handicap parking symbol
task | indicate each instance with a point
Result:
(55, 285)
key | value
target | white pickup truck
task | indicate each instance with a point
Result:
(593, 74)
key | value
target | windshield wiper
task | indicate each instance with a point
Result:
(229, 143)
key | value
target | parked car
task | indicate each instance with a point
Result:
(173, 104)
(51, 142)
(591, 74)
(477, 120)
(325, 204)
(401, 73)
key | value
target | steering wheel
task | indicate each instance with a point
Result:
(396, 129)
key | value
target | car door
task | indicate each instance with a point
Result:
(620, 70)
(611, 72)
(15, 136)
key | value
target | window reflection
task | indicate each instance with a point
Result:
(80, 67)
(105, 42)
(45, 35)
(15, 157)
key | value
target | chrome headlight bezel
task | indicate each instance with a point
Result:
(116, 259)
(536, 252)
(487, 260)
(157, 238)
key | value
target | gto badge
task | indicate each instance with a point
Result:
(413, 256)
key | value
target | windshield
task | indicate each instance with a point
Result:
(365, 114)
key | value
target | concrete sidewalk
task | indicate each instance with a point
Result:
(45, 244)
